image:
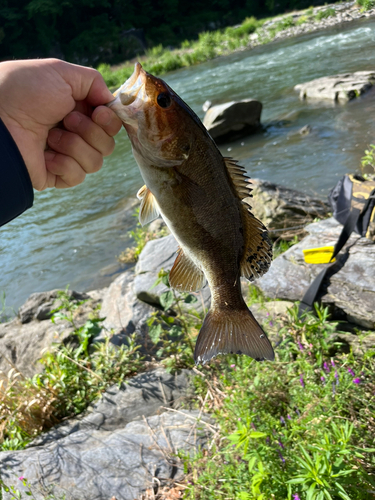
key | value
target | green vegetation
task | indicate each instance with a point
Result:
(324, 14)
(108, 31)
(301, 427)
(368, 162)
(74, 375)
(6, 312)
(366, 4)
(140, 235)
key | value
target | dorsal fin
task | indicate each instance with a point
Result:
(185, 276)
(258, 247)
(149, 209)
(240, 180)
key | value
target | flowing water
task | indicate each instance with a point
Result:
(73, 236)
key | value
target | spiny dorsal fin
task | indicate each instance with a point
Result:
(185, 276)
(241, 181)
(257, 257)
(258, 248)
(149, 209)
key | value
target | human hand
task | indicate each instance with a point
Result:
(55, 114)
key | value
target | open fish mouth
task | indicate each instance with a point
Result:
(133, 88)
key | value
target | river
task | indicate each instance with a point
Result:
(73, 236)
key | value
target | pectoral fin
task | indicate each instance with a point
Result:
(185, 276)
(149, 209)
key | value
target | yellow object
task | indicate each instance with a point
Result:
(321, 255)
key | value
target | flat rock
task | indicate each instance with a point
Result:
(100, 465)
(233, 119)
(106, 455)
(351, 290)
(343, 87)
(143, 395)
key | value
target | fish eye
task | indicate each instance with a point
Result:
(164, 100)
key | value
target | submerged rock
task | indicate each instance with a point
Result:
(233, 120)
(343, 87)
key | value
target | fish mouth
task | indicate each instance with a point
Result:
(133, 87)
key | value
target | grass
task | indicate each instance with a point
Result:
(301, 427)
(325, 14)
(366, 4)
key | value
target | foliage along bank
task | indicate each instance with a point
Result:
(112, 31)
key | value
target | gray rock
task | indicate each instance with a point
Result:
(233, 119)
(108, 456)
(22, 343)
(102, 464)
(39, 305)
(351, 290)
(124, 313)
(142, 395)
(343, 87)
(281, 208)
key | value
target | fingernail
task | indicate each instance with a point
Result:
(54, 135)
(103, 117)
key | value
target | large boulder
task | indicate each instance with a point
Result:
(233, 120)
(112, 452)
(350, 289)
(343, 87)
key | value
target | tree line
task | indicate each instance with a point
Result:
(95, 31)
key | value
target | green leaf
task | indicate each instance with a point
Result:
(257, 435)
(154, 333)
(166, 299)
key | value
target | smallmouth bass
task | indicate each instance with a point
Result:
(202, 198)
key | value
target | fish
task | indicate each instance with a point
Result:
(203, 198)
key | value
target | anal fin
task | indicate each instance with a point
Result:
(149, 209)
(185, 276)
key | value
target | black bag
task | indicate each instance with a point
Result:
(353, 204)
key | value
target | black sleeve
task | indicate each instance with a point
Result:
(16, 191)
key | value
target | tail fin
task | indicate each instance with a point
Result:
(232, 332)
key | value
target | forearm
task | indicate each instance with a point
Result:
(16, 192)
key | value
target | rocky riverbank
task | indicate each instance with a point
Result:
(126, 442)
